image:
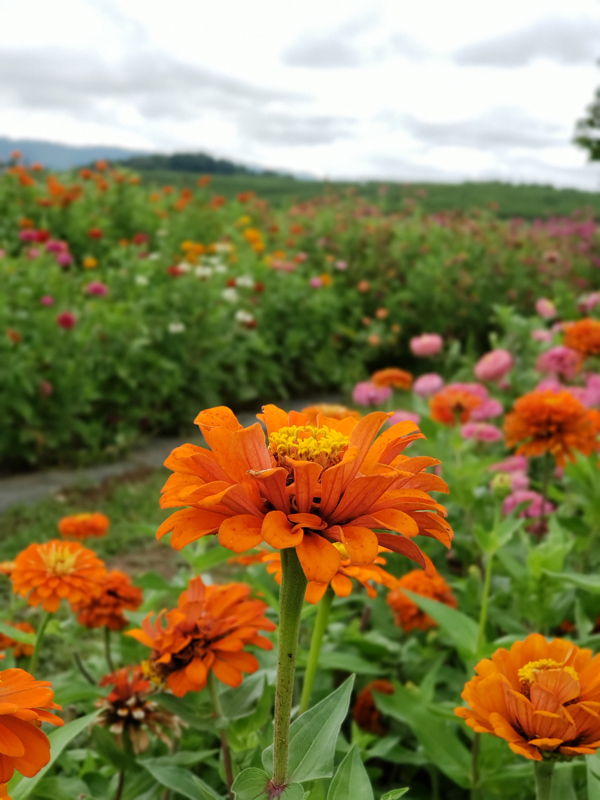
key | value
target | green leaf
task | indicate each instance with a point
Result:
(239, 702)
(180, 780)
(351, 779)
(593, 776)
(16, 634)
(349, 662)
(211, 558)
(590, 583)
(463, 630)
(108, 749)
(19, 787)
(60, 788)
(313, 737)
(253, 784)
(394, 794)
(185, 711)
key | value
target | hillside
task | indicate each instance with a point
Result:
(54, 155)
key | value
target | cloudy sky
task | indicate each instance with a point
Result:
(386, 89)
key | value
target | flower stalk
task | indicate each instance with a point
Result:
(543, 779)
(107, 651)
(218, 713)
(323, 610)
(38, 642)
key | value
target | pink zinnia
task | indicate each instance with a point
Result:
(28, 235)
(545, 308)
(66, 319)
(428, 384)
(428, 344)
(46, 300)
(64, 258)
(535, 500)
(404, 416)
(510, 464)
(476, 389)
(56, 246)
(481, 432)
(493, 365)
(341, 265)
(488, 409)
(541, 335)
(559, 361)
(367, 394)
(97, 288)
(316, 283)
(589, 302)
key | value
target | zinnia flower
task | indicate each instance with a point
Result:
(493, 365)
(97, 288)
(57, 570)
(401, 415)
(365, 712)
(541, 697)
(392, 376)
(551, 422)
(536, 508)
(106, 610)
(453, 404)
(511, 464)
(428, 384)
(66, 320)
(366, 393)
(545, 308)
(19, 650)
(408, 615)
(583, 336)
(487, 409)
(80, 526)
(481, 432)
(310, 487)
(427, 344)
(560, 361)
(24, 704)
(331, 410)
(208, 630)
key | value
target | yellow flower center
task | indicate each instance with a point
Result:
(60, 560)
(527, 674)
(309, 443)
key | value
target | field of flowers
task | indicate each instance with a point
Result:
(396, 598)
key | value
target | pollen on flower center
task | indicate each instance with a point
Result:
(527, 674)
(309, 443)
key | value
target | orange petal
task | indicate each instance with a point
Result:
(219, 416)
(312, 521)
(362, 493)
(272, 483)
(249, 448)
(400, 544)
(397, 520)
(306, 479)
(341, 585)
(387, 446)
(188, 525)
(363, 436)
(297, 418)
(240, 533)
(274, 418)
(315, 592)
(319, 558)
(277, 531)
(361, 544)
(333, 481)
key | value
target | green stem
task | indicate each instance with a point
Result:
(543, 779)
(546, 467)
(107, 653)
(315, 648)
(120, 786)
(291, 599)
(475, 747)
(81, 667)
(38, 642)
(218, 712)
(487, 582)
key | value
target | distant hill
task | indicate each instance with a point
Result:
(62, 156)
(196, 163)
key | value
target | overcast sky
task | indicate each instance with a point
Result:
(388, 89)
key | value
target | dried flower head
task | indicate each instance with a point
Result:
(365, 712)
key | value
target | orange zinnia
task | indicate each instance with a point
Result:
(19, 650)
(106, 610)
(207, 631)
(310, 487)
(452, 405)
(551, 422)
(542, 697)
(80, 526)
(365, 712)
(407, 614)
(24, 704)
(392, 376)
(331, 410)
(55, 570)
(583, 336)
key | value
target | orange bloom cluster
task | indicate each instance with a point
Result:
(331, 410)
(541, 697)
(552, 422)
(453, 405)
(583, 336)
(408, 615)
(365, 712)
(309, 488)
(24, 704)
(208, 630)
(19, 650)
(80, 526)
(106, 609)
(392, 376)
(57, 570)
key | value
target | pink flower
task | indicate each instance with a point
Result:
(46, 388)
(519, 481)
(46, 300)
(56, 246)
(341, 265)
(428, 384)
(64, 259)
(316, 283)
(97, 288)
(367, 394)
(428, 344)
(487, 410)
(481, 432)
(545, 308)
(33, 253)
(549, 384)
(591, 394)
(475, 389)
(300, 258)
(28, 235)
(493, 365)
(541, 335)
(589, 302)
(559, 361)
(283, 266)
(66, 320)
(510, 464)
(404, 416)
(535, 500)
(2, 253)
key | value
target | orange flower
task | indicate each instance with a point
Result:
(408, 615)
(106, 610)
(309, 487)
(19, 650)
(541, 697)
(207, 631)
(365, 712)
(583, 336)
(551, 422)
(340, 583)
(451, 405)
(392, 376)
(129, 708)
(57, 570)
(80, 526)
(24, 704)
(331, 410)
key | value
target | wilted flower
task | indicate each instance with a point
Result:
(493, 365)
(106, 609)
(366, 393)
(428, 344)
(430, 584)
(428, 384)
(365, 712)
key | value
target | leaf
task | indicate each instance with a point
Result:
(463, 630)
(590, 583)
(16, 634)
(108, 749)
(394, 794)
(239, 702)
(20, 788)
(253, 784)
(349, 662)
(593, 776)
(313, 737)
(185, 711)
(211, 558)
(351, 779)
(180, 780)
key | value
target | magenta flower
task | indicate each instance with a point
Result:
(541, 335)
(427, 344)
(316, 283)
(33, 253)
(493, 365)
(510, 464)
(56, 246)
(404, 416)
(428, 384)
(545, 308)
(487, 410)
(367, 394)
(559, 361)
(535, 500)
(481, 432)
(549, 384)
(589, 302)
(64, 258)
(97, 288)
(66, 319)
(28, 235)
(46, 300)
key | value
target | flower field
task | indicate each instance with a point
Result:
(394, 598)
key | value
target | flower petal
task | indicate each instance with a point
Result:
(319, 558)
(400, 544)
(277, 531)
(306, 480)
(240, 533)
(361, 544)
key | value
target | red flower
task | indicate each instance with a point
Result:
(95, 233)
(66, 320)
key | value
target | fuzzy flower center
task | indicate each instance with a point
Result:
(59, 560)
(308, 443)
(528, 673)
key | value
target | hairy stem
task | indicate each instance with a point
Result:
(218, 712)
(543, 779)
(323, 610)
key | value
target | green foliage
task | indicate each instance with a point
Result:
(351, 779)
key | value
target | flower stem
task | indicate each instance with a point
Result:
(487, 582)
(120, 785)
(543, 779)
(315, 648)
(107, 653)
(475, 747)
(218, 712)
(81, 667)
(38, 642)
(291, 598)
(546, 469)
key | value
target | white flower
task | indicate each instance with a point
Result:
(141, 280)
(230, 294)
(153, 256)
(184, 267)
(245, 281)
(223, 247)
(243, 316)
(203, 272)
(221, 268)
(176, 327)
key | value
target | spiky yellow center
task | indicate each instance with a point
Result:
(309, 443)
(59, 559)
(527, 674)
